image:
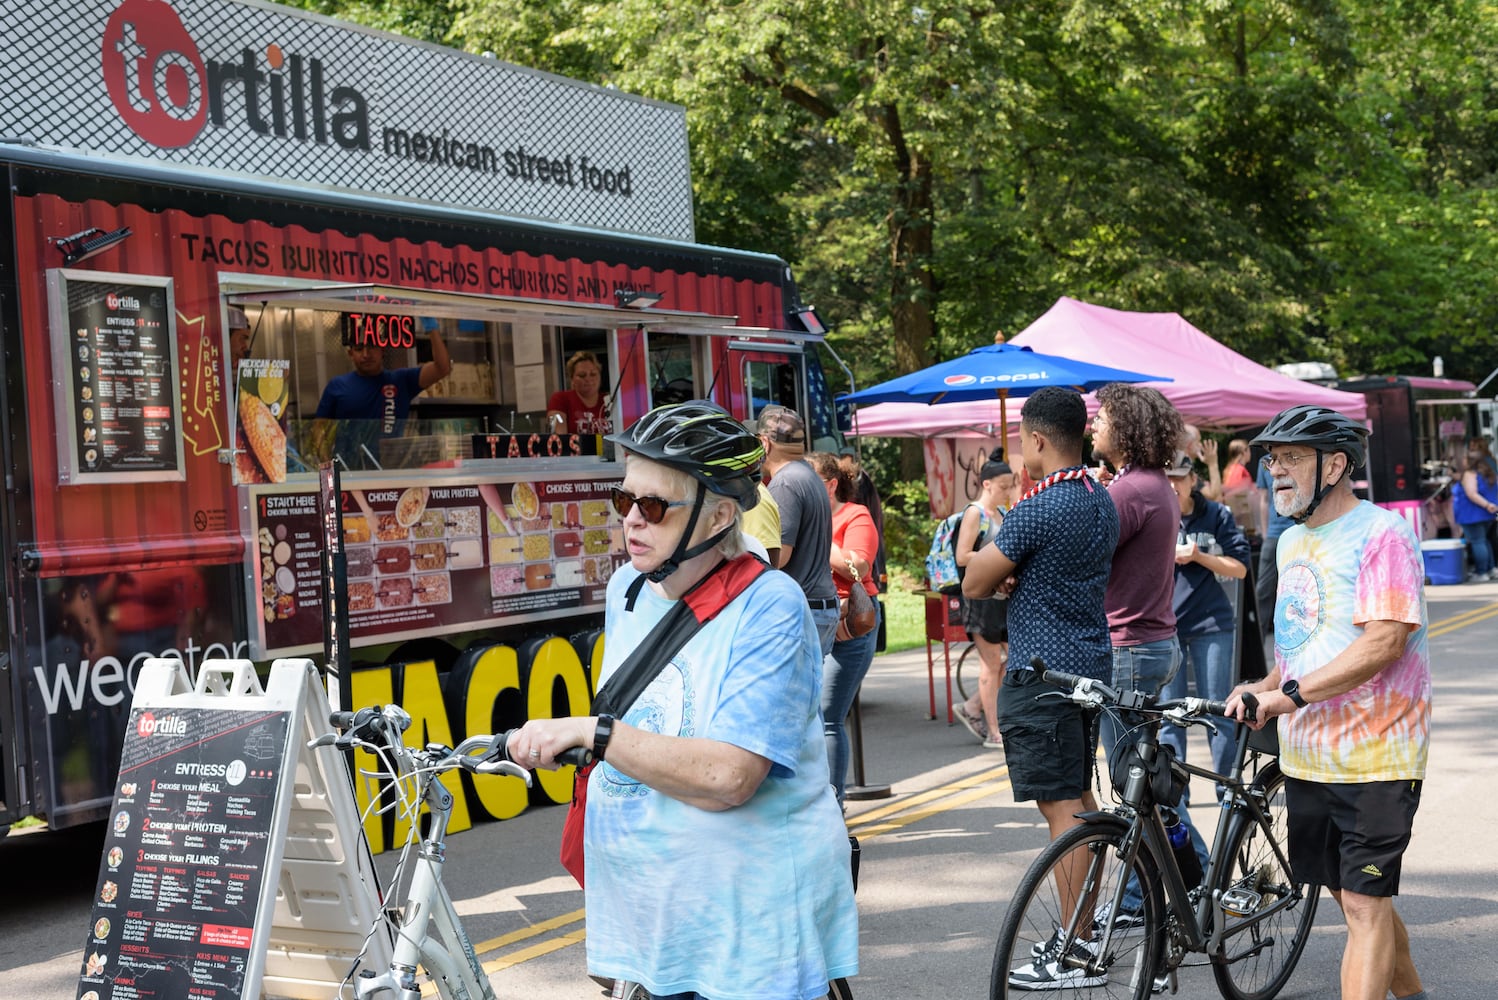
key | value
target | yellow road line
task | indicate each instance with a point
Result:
(1448, 625)
(525, 933)
(535, 951)
(920, 798)
(946, 805)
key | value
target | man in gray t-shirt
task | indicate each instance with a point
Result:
(805, 515)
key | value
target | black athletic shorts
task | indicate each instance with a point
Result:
(987, 617)
(1350, 836)
(1050, 745)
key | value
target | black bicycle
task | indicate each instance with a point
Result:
(1104, 911)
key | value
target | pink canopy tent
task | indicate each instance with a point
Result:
(1214, 386)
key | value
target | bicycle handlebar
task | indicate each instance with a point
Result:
(1092, 690)
(381, 726)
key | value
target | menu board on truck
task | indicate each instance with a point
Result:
(114, 358)
(185, 855)
(434, 559)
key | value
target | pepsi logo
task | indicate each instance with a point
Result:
(953, 381)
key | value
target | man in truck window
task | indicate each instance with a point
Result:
(372, 402)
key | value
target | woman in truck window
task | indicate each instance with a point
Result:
(580, 409)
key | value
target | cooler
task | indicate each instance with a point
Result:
(1445, 560)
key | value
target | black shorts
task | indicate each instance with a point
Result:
(987, 617)
(1351, 836)
(1050, 745)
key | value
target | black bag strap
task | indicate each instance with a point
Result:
(670, 635)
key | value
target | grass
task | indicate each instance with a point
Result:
(906, 613)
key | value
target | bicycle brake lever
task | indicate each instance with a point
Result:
(503, 767)
(325, 740)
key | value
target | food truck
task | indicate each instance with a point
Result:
(1420, 425)
(176, 166)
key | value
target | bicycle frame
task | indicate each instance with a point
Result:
(1205, 931)
(427, 903)
(448, 957)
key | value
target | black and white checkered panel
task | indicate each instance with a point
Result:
(57, 96)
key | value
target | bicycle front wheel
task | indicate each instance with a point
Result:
(1269, 914)
(1082, 864)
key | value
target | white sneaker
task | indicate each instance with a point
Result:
(1047, 972)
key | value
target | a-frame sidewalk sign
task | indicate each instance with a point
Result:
(233, 868)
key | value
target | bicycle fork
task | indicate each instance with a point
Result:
(427, 903)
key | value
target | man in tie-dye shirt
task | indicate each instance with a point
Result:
(1352, 682)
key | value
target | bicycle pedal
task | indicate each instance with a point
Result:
(1241, 902)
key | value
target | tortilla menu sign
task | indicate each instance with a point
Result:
(114, 351)
(185, 857)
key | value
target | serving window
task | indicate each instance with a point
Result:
(502, 376)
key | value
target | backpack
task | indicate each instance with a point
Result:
(941, 561)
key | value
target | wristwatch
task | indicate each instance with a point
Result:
(1291, 690)
(602, 734)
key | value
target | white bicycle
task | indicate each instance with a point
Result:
(425, 931)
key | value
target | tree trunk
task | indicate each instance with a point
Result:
(912, 287)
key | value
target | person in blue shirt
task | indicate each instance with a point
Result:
(1210, 546)
(1267, 582)
(370, 402)
(1052, 555)
(717, 860)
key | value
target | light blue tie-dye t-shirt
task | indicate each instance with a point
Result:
(754, 901)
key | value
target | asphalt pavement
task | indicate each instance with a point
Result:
(941, 854)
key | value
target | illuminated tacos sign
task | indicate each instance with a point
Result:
(260, 90)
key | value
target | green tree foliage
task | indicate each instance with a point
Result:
(1300, 178)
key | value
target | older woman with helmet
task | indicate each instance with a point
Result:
(717, 859)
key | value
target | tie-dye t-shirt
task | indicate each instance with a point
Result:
(754, 902)
(1365, 566)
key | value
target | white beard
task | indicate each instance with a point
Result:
(1294, 503)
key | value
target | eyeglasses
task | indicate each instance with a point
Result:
(1285, 462)
(652, 509)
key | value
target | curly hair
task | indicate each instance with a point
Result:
(1145, 426)
(828, 467)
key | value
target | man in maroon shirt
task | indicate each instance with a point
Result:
(1136, 431)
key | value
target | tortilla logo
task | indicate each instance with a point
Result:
(167, 725)
(954, 381)
(154, 74)
(166, 92)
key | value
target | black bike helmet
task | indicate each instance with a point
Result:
(1318, 427)
(1323, 429)
(702, 440)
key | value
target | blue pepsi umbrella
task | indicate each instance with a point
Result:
(994, 371)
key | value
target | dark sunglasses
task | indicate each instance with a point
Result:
(652, 509)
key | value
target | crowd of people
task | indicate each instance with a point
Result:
(736, 754)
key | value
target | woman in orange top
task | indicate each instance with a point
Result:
(855, 541)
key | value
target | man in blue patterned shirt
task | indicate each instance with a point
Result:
(1052, 555)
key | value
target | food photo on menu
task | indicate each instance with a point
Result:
(260, 450)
